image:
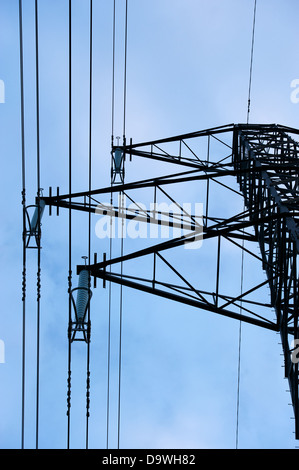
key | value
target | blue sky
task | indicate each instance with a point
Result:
(188, 69)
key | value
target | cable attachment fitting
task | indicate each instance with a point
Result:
(117, 166)
(33, 221)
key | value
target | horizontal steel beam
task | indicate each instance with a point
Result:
(185, 300)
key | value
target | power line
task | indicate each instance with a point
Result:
(125, 71)
(24, 222)
(239, 347)
(122, 238)
(69, 229)
(122, 235)
(109, 340)
(89, 227)
(39, 228)
(242, 261)
(251, 62)
(120, 331)
(113, 75)
(110, 244)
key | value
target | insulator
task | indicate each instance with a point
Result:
(36, 218)
(82, 295)
(118, 156)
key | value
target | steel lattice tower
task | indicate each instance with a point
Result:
(264, 159)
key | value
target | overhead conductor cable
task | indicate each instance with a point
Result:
(242, 262)
(122, 234)
(38, 223)
(24, 223)
(69, 230)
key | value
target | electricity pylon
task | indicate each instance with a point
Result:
(264, 161)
